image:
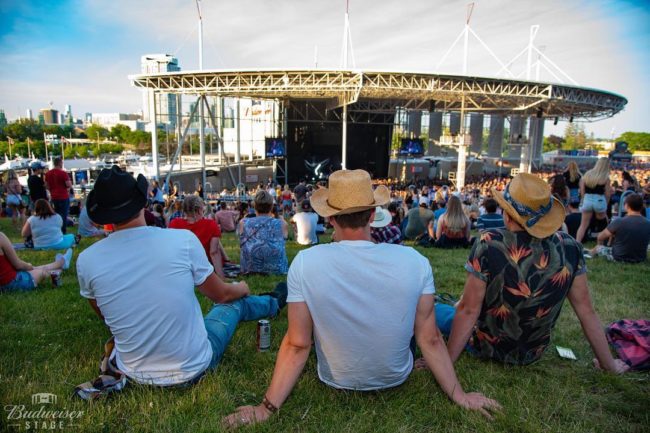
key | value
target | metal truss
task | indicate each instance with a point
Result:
(367, 111)
(384, 91)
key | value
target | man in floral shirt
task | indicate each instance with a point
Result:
(518, 278)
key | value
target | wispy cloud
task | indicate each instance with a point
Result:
(599, 43)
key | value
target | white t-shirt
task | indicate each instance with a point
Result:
(143, 280)
(306, 223)
(86, 227)
(362, 298)
(46, 231)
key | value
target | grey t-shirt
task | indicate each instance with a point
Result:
(46, 231)
(418, 222)
(631, 237)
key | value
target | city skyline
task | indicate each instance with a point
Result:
(601, 44)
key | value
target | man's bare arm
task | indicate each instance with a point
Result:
(290, 362)
(221, 292)
(603, 237)
(467, 312)
(580, 300)
(93, 304)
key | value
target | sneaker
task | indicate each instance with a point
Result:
(67, 258)
(280, 294)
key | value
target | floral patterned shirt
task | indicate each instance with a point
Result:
(527, 281)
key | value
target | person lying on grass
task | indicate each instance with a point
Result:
(140, 281)
(362, 302)
(518, 278)
(17, 275)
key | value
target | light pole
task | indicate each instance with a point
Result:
(45, 143)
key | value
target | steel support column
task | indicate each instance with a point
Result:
(154, 135)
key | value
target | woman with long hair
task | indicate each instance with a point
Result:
(453, 228)
(45, 228)
(595, 190)
(560, 189)
(572, 177)
(14, 191)
(174, 211)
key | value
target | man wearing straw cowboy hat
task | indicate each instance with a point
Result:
(361, 301)
(518, 278)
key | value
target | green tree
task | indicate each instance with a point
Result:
(636, 140)
(574, 136)
(94, 131)
(22, 129)
(121, 133)
(552, 142)
(140, 139)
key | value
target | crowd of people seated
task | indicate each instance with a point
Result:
(523, 263)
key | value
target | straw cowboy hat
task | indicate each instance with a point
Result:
(527, 199)
(382, 218)
(349, 191)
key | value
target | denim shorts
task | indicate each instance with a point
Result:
(594, 203)
(22, 283)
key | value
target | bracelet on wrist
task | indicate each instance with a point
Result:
(269, 406)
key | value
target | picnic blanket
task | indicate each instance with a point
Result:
(631, 340)
(21, 246)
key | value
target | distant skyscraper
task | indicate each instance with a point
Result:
(29, 114)
(3, 119)
(50, 116)
(166, 104)
(67, 115)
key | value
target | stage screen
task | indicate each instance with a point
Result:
(80, 176)
(411, 146)
(275, 147)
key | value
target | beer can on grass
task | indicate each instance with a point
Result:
(263, 335)
(56, 278)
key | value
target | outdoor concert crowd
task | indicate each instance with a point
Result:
(525, 256)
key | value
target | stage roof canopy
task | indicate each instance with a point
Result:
(411, 90)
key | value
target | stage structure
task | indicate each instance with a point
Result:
(381, 93)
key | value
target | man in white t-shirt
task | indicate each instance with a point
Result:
(362, 302)
(147, 299)
(304, 224)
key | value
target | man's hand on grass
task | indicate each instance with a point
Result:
(479, 402)
(620, 367)
(245, 415)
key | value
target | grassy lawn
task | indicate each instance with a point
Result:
(50, 341)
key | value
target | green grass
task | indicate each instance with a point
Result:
(50, 341)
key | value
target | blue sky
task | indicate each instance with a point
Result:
(81, 52)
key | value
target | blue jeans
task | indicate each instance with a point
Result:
(222, 320)
(24, 282)
(62, 207)
(444, 318)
